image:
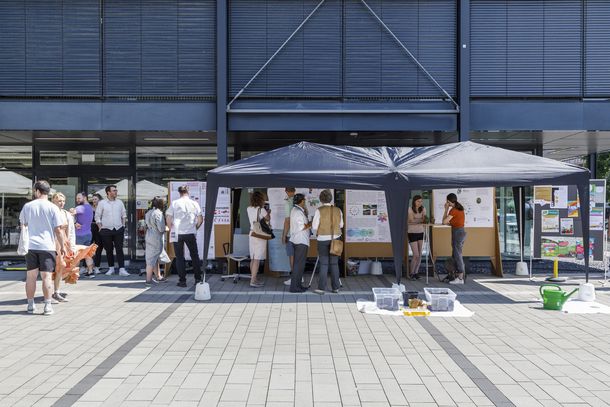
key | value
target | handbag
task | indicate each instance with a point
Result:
(336, 246)
(24, 241)
(257, 228)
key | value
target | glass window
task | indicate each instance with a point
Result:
(15, 191)
(177, 158)
(84, 158)
(14, 157)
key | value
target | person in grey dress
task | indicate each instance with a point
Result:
(155, 230)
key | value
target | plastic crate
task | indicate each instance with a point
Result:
(387, 298)
(440, 299)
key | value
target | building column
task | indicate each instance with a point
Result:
(593, 165)
(464, 70)
(221, 81)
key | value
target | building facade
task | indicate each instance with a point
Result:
(141, 92)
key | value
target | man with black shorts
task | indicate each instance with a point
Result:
(43, 220)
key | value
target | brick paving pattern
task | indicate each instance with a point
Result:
(118, 344)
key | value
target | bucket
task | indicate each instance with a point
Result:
(202, 292)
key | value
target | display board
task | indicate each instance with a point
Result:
(366, 217)
(222, 214)
(276, 250)
(482, 234)
(478, 205)
(557, 222)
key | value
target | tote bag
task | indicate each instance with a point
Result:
(257, 229)
(24, 241)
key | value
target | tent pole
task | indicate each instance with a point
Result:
(2, 233)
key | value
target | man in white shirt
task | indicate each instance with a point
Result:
(43, 222)
(110, 216)
(185, 217)
(300, 229)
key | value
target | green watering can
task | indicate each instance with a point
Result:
(553, 297)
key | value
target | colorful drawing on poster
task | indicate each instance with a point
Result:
(550, 221)
(567, 226)
(580, 249)
(558, 247)
(542, 195)
(559, 196)
(596, 219)
(573, 209)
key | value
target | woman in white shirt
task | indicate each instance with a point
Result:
(327, 225)
(417, 218)
(258, 247)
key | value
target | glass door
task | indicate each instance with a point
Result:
(94, 184)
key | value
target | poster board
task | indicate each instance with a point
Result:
(558, 223)
(482, 232)
(367, 226)
(276, 250)
(222, 216)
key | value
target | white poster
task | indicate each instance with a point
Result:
(366, 216)
(478, 205)
(559, 197)
(222, 213)
(277, 199)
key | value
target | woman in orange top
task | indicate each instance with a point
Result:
(454, 216)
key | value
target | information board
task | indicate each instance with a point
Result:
(366, 217)
(558, 223)
(478, 205)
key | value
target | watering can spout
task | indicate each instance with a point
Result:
(566, 295)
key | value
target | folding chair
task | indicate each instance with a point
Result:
(240, 253)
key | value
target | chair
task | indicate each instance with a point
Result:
(240, 252)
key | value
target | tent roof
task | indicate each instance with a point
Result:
(465, 164)
(12, 183)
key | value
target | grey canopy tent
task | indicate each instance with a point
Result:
(396, 171)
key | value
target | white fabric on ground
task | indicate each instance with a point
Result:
(370, 307)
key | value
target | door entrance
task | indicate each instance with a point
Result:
(71, 172)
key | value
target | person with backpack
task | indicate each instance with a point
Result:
(454, 216)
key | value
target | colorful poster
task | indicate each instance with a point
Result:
(567, 226)
(542, 195)
(550, 221)
(596, 219)
(559, 196)
(573, 209)
(478, 205)
(558, 247)
(366, 216)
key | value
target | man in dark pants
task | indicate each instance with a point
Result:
(185, 217)
(110, 216)
(299, 236)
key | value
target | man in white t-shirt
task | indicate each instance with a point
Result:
(185, 217)
(43, 222)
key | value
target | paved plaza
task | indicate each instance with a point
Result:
(118, 344)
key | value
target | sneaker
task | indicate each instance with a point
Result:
(287, 282)
(336, 291)
(320, 292)
(53, 301)
(96, 270)
(89, 274)
(457, 281)
(48, 309)
(58, 297)
(31, 308)
(148, 284)
(256, 285)
(181, 284)
(123, 272)
(161, 280)
(110, 271)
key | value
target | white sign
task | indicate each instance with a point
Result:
(478, 205)
(366, 216)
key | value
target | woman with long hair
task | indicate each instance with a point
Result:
(95, 235)
(155, 230)
(416, 220)
(454, 216)
(258, 247)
